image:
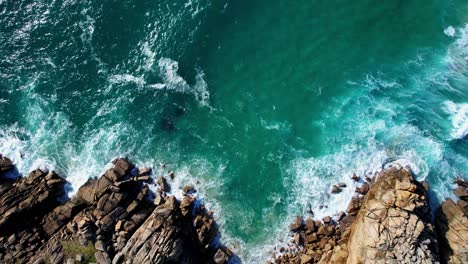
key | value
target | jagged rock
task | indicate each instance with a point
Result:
(452, 228)
(188, 189)
(296, 225)
(109, 214)
(461, 182)
(162, 182)
(335, 189)
(461, 192)
(310, 225)
(100, 245)
(394, 220)
(354, 204)
(355, 177)
(5, 165)
(222, 256)
(341, 185)
(145, 171)
(306, 259)
(363, 189)
(102, 258)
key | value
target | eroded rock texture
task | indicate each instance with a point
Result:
(112, 219)
(393, 224)
(452, 226)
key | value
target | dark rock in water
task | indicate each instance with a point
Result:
(340, 216)
(145, 171)
(162, 182)
(167, 124)
(171, 175)
(426, 186)
(188, 189)
(179, 111)
(461, 182)
(5, 165)
(335, 189)
(341, 185)
(355, 177)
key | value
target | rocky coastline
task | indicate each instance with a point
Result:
(116, 218)
(388, 220)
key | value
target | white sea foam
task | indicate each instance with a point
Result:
(450, 31)
(168, 71)
(458, 113)
(173, 81)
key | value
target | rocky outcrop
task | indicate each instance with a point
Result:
(394, 223)
(452, 226)
(387, 221)
(112, 219)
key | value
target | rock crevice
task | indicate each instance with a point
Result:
(115, 219)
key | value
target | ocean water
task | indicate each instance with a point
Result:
(263, 105)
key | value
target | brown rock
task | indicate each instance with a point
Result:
(296, 225)
(452, 228)
(310, 225)
(363, 189)
(461, 182)
(335, 189)
(306, 259)
(394, 212)
(145, 171)
(222, 256)
(355, 177)
(188, 189)
(162, 182)
(341, 185)
(102, 258)
(461, 192)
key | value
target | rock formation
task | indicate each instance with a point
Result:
(112, 219)
(394, 223)
(116, 218)
(452, 226)
(387, 221)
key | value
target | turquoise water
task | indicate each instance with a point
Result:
(261, 104)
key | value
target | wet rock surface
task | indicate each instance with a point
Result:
(115, 218)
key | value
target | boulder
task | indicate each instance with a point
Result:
(296, 224)
(335, 189)
(400, 229)
(341, 185)
(452, 228)
(162, 182)
(461, 192)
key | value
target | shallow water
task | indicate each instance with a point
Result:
(264, 103)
